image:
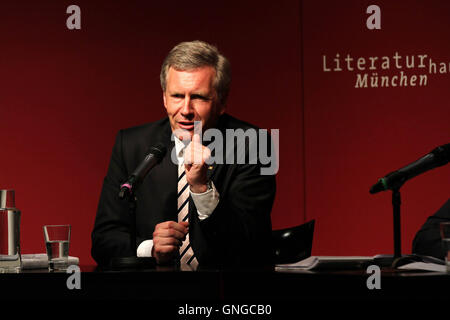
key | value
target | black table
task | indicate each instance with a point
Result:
(171, 289)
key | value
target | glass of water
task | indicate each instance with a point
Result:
(57, 241)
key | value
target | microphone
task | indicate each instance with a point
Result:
(153, 157)
(394, 180)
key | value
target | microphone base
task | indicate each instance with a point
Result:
(132, 263)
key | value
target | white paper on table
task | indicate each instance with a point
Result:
(40, 261)
(423, 266)
(330, 262)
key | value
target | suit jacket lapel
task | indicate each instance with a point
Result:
(210, 171)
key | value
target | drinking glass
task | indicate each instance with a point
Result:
(57, 241)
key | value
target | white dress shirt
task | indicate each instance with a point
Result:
(205, 202)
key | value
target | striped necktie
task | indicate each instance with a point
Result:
(187, 256)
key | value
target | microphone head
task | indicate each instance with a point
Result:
(442, 154)
(158, 150)
(379, 186)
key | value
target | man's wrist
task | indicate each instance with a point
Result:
(200, 188)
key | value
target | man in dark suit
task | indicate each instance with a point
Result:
(428, 239)
(228, 205)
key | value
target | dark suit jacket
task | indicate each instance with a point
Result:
(238, 232)
(428, 239)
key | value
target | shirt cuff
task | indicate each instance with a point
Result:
(145, 249)
(206, 202)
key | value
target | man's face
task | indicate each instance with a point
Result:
(190, 96)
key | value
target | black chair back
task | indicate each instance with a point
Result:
(293, 244)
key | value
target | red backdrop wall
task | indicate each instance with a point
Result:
(66, 93)
(354, 135)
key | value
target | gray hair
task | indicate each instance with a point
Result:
(196, 54)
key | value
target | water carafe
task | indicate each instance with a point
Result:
(10, 259)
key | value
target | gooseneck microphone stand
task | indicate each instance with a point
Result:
(394, 181)
(396, 202)
(128, 192)
(132, 262)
